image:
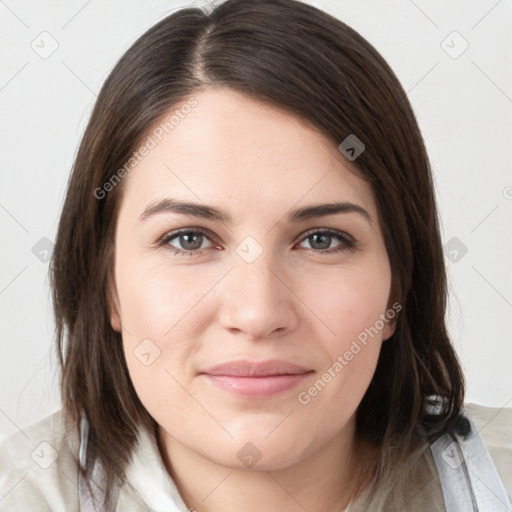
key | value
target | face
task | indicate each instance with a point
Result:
(273, 281)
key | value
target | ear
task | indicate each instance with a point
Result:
(389, 330)
(392, 312)
(115, 318)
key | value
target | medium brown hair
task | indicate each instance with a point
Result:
(292, 55)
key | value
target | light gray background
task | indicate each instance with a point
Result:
(463, 102)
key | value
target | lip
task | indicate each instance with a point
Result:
(256, 379)
(244, 368)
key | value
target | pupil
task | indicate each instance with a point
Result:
(326, 241)
(191, 245)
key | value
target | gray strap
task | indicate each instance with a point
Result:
(467, 473)
(88, 502)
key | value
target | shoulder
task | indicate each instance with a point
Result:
(495, 426)
(423, 479)
(38, 467)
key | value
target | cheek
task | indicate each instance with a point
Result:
(352, 312)
(351, 308)
(156, 298)
(157, 305)
(350, 304)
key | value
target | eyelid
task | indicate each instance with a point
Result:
(210, 234)
(346, 239)
(169, 235)
(342, 234)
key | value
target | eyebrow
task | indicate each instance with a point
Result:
(170, 205)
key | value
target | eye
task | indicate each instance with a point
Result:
(191, 241)
(320, 240)
(188, 241)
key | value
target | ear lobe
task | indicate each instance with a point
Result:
(392, 312)
(115, 318)
(389, 330)
(115, 321)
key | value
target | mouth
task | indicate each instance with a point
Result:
(256, 380)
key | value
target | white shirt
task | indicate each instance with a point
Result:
(38, 470)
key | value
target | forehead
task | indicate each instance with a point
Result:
(229, 146)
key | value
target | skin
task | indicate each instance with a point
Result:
(292, 302)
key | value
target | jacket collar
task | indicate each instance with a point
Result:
(146, 477)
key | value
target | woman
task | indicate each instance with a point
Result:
(249, 288)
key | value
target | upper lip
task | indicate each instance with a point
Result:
(256, 369)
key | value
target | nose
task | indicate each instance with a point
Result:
(257, 299)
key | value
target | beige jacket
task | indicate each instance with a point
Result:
(38, 471)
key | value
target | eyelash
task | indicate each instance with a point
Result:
(346, 242)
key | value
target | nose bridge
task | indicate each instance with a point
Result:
(255, 274)
(255, 300)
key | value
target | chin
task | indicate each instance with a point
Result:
(256, 453)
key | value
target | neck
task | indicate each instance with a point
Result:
(323, 482)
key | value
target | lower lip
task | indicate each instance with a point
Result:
(257, 387)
